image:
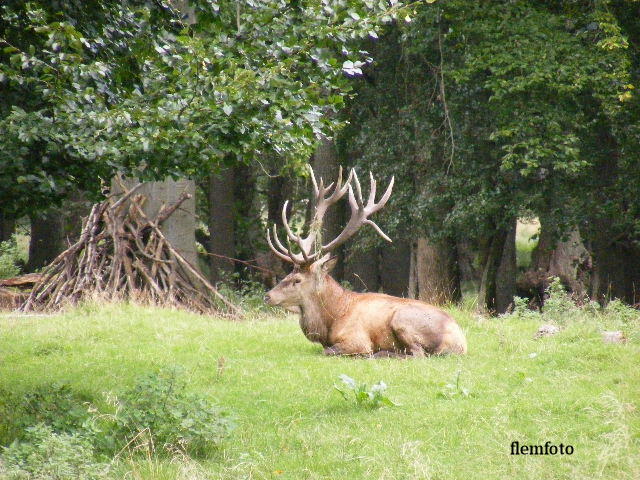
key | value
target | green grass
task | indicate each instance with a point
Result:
(570, 388)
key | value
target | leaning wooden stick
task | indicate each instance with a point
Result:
(122, 254)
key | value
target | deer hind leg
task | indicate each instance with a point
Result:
(408, 325)
(388, 354)
(348, 348)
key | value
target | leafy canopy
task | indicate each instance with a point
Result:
(95, 87)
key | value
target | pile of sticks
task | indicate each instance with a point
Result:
(122, 254)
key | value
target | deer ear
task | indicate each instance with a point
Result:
(329, 264)
(324, 265)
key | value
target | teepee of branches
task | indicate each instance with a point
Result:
(122, 254)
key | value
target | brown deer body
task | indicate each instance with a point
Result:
(350, 323)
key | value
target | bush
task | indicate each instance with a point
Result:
(46, 455)
(559, 304)
(621, 311)
(560, 308)
(56, 433)
(10, 258)
(160, 405)
(248, 294)
(55, 406)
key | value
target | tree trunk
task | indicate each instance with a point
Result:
(362, 270)
(616, 270)
(180, 227)
(436, 274)
(221, 224)
(248, 230)
(7, 227)
(395, 264)
(47, 239)
(469, 273)
(497, 286)
(616, 258)
(326, 165)
(565, 258)
(507, 272)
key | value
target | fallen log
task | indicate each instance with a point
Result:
(22, 281)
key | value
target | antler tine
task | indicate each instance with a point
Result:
(341, 188)
(338, 185)
(280, 255)
(358, 189)
(306, 255)
(372, 192)
(313, 180)
(378, 229)
(387, 194)
(285, 222)
(328, 188)
(360, 212)
(279, 244)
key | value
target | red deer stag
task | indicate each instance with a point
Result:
(345, 322)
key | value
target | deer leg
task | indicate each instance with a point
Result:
(333, 350)
(343, 348)
(388, 354)
(411, 328)
(407, 337)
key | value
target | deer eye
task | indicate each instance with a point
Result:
(296, 281)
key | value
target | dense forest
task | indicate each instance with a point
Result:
(486, 113)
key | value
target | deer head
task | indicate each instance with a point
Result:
(312, 259)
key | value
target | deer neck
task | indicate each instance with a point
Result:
(320, 310)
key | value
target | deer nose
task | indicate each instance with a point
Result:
(267, 298)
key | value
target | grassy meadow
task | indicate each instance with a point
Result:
(570, 388)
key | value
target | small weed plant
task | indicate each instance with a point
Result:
(455, 389)
(362, 394)
(559, 306)
(521, 309)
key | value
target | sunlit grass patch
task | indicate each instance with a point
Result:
(456, 417)
(526, 240)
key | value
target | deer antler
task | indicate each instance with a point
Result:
(360, 212)
(310, 247)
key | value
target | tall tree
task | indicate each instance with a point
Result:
(326, 163)
(221, 222)
(7, 227)
(47, 239)
(435, 272)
